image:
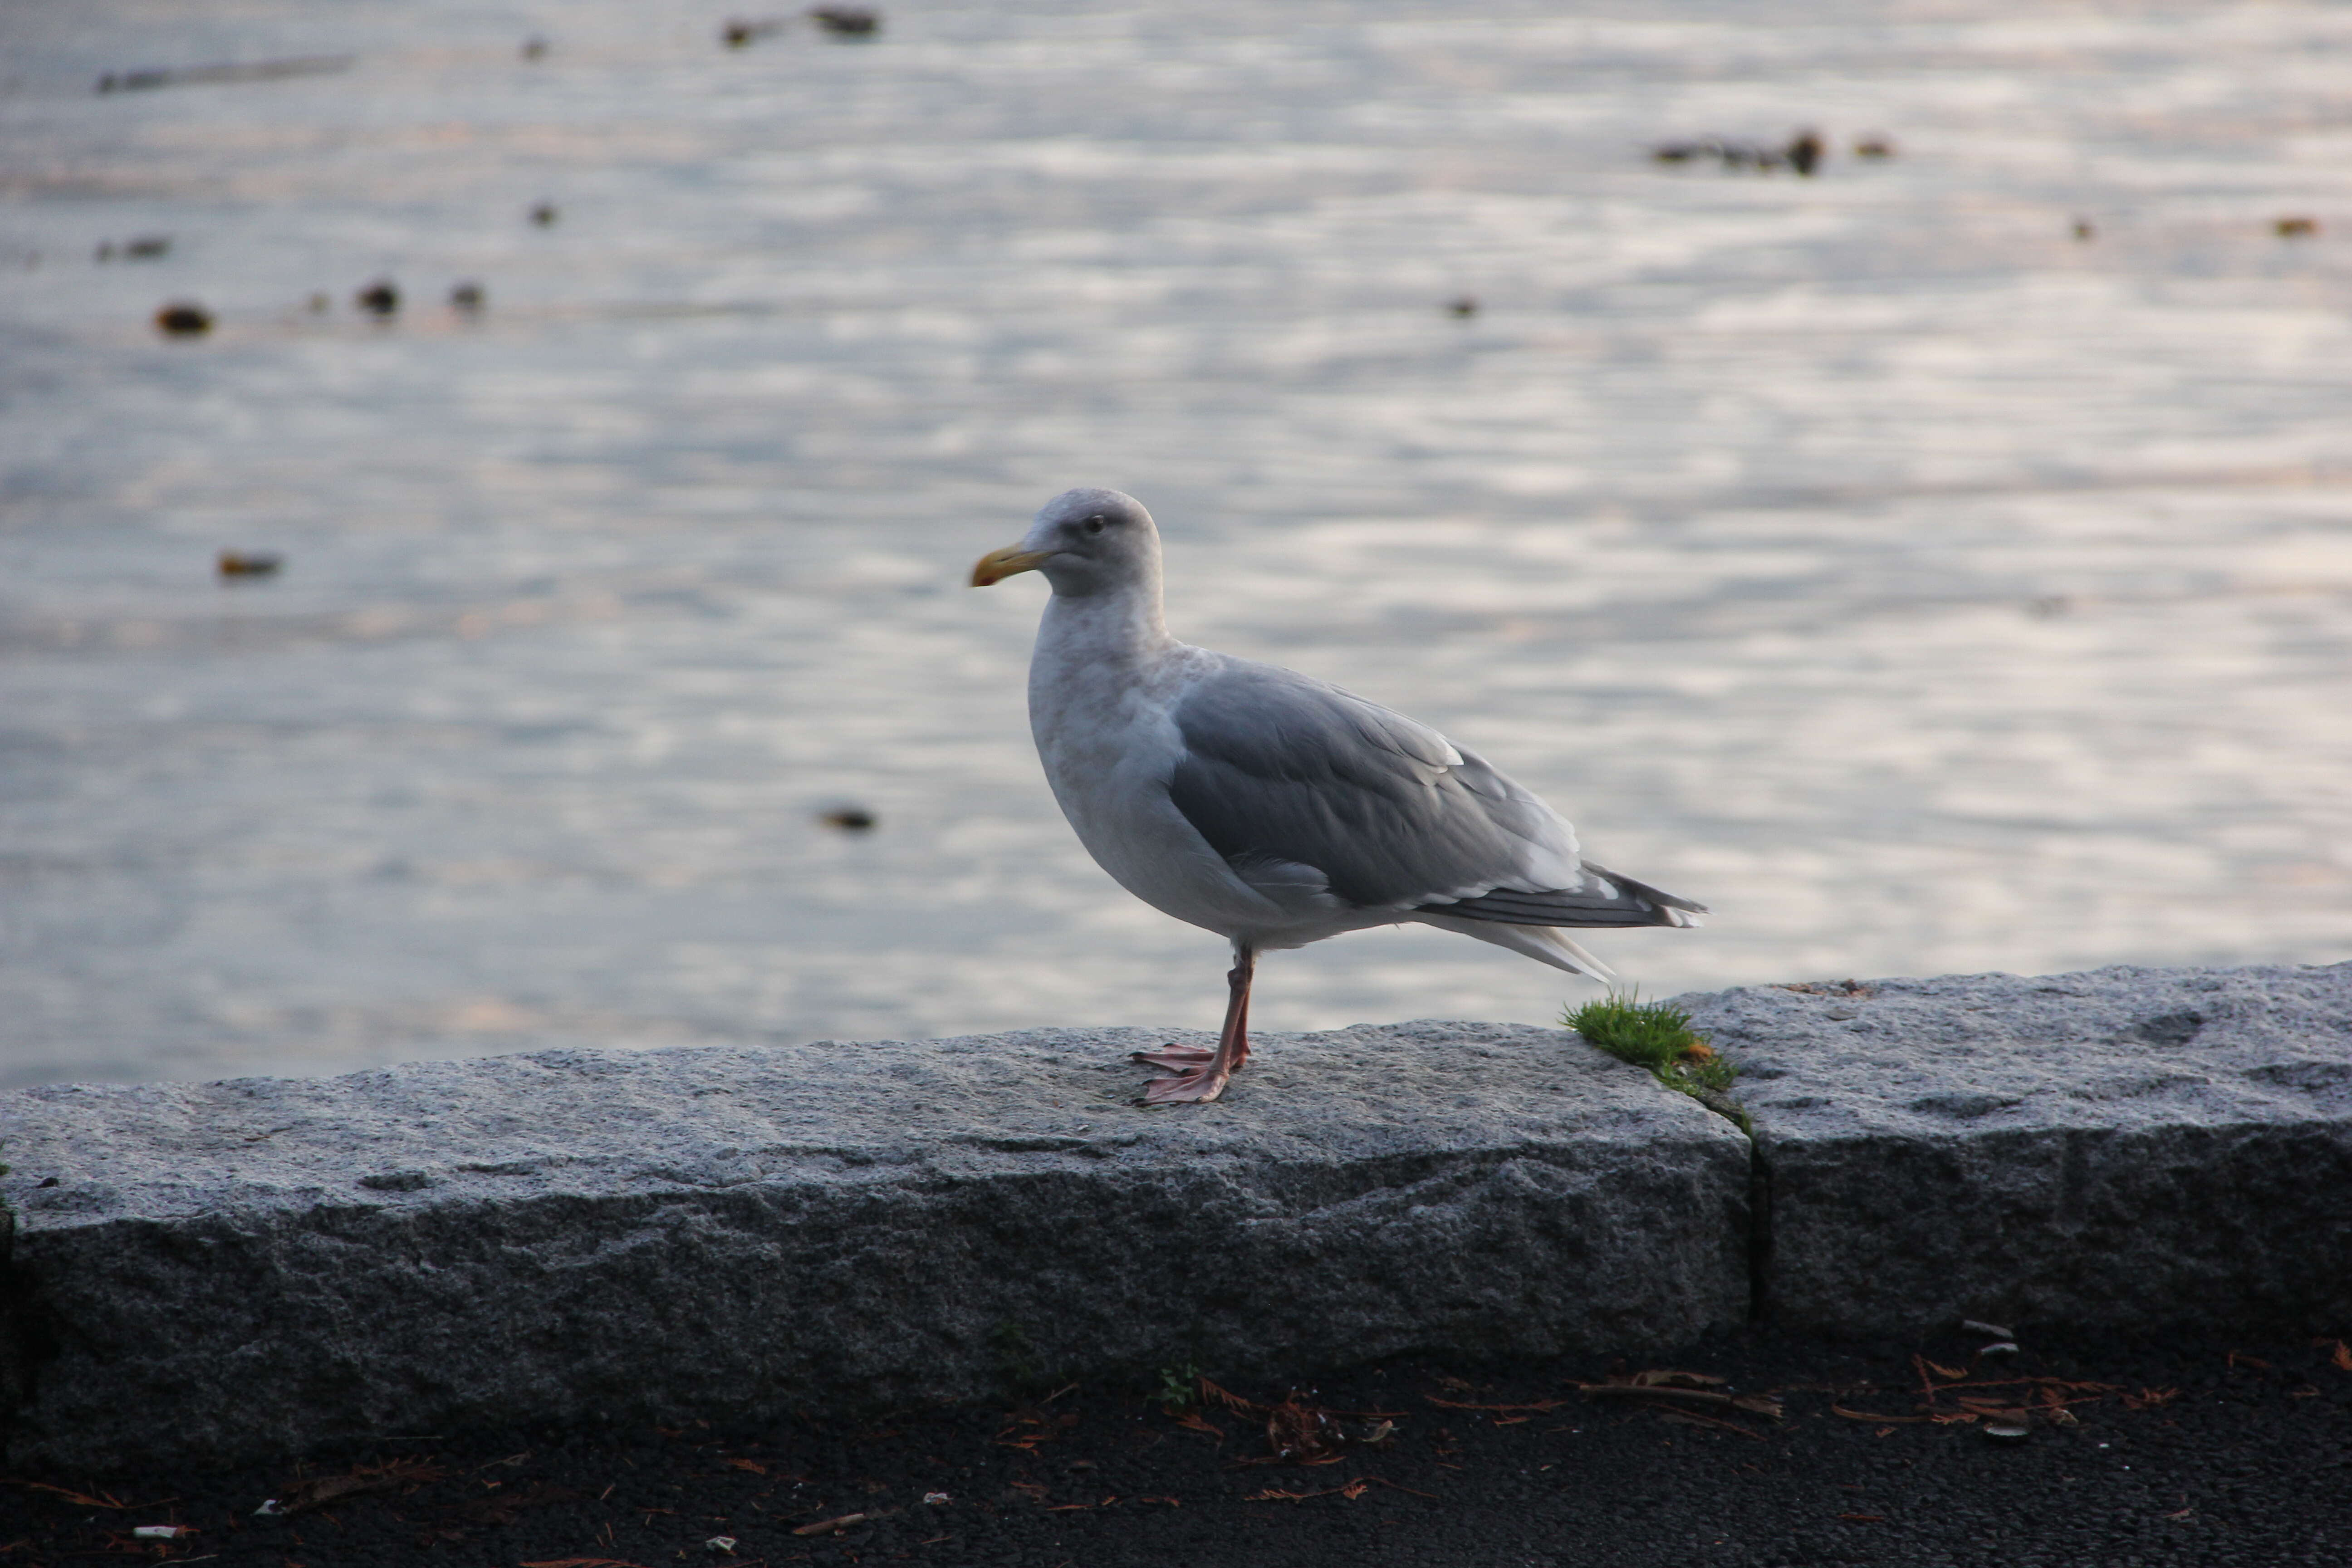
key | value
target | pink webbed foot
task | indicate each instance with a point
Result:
(1197, 1077)
(1175, 1058)
(1195, 1088)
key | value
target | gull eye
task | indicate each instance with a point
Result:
(1097, 524)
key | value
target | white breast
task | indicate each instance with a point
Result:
(1108, 746)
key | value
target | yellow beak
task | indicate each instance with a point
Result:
(998, 564)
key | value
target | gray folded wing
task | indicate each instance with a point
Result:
(1606, 898)
(1280, 768)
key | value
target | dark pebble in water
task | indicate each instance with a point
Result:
(543, 215)
(849, 819)
(847, 21)
(379, 298)
(467, 297)
(250, 563)
(1465, 308)
(183, 318)
(1805, 153)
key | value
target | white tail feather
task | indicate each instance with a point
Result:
(1544, 944)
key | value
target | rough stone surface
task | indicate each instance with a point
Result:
(229, 1269)
(2124, 1147)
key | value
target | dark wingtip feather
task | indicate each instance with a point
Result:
(1632, 903)
(1647, 891)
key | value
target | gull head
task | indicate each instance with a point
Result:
(1085, 541)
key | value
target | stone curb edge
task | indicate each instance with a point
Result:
(593, 1235)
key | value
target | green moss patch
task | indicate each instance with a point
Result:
(1658, 1036)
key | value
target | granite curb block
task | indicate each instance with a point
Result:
(210, 1272)
(2123, 1148)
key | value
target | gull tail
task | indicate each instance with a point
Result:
(1603, 898)
(1544, 944)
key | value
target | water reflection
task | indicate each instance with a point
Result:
(1921, 586)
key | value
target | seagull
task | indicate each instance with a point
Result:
(1267, 806)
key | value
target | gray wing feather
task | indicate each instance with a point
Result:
(1278, 767)
(1606, 898)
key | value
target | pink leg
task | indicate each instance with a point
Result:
(1199, 1076)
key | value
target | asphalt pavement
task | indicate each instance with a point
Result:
(1759, 1449)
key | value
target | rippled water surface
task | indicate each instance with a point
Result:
(1922, 586)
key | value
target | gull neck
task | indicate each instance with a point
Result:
(1125, 625)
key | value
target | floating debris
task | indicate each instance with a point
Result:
(846, 21)
(544, 214)
(145, 248)
(534, 48)
(849, 819)
(1804, 152)
(1873, 146)
(2008, 1431)
(162, 1531)
(469, 298)
(2004, 1347)
(183, 76)
(381, 298)
(2297, 228)
(720, 1543)
(183, 318)
(319, 303)
(740, 33)
(249, 563)
(1461, 309)
(1970, 1326)
(2086, 229)
(936, 1500)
